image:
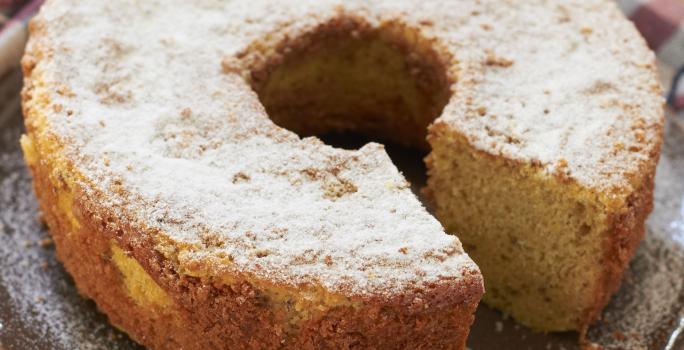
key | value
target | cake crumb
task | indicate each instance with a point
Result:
(497, 61)
(262, 253)
(240, 177)
(46, 242)
(41, 219)
(337, 189)
(426, 22)
(562, 163)
(230, 65)
(186, 112)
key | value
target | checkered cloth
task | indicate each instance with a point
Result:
(661, 24)
(659, 21)
(14, 15)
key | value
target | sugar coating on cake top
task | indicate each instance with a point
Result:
(571, 87)
(162, 134)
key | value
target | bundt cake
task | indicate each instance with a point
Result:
(160, 137)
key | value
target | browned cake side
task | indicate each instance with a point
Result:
(155, 141)
(213, 316)
(121, 268)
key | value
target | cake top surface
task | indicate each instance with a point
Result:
(165, 135)
(569, 86)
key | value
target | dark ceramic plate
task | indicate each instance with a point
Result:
(41, 309)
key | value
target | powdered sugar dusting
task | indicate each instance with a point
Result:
(572, 87)
(146, 111)
(65, 321)
(161, 134)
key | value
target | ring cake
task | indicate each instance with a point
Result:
(158, 134)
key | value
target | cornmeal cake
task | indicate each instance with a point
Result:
(158, 134)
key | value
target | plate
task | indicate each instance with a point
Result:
(41, 309)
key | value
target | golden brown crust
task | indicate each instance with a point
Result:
(217, 315)
(205, 314)
(627, 228)
(220, 316)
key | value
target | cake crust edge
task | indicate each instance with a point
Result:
(204, 312)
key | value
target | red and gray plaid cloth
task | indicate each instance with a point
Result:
(661, 22)
(13, 17)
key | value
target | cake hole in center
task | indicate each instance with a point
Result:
(349, 83)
